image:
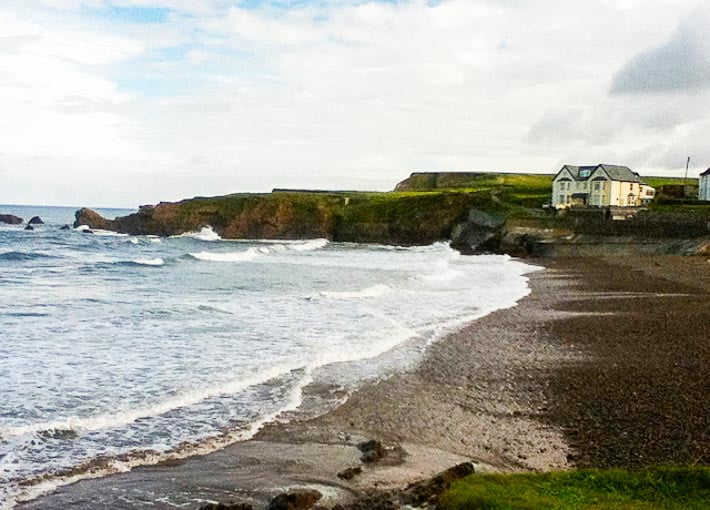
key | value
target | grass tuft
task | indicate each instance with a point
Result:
(672, 488)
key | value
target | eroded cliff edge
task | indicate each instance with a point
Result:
(384, 218)
(499, 213)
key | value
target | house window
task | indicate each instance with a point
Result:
(561, 199)
(597, 186)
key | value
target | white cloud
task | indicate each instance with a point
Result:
(220, 98)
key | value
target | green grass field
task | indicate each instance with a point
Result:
(672, 488)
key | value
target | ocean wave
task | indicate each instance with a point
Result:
(298, 246)
(123, 418)
(205, 234)
(99, 232)
(374, 291)
(239, 256)
(22, 256)
(149, 262)
(103, 466)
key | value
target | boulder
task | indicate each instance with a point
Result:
(372, 451)
(36, 220)
(480, 232)
(10, 219)
(428, 492)
(29, 227)
(350, 473)
(295, 500)
(486, 220)
(226, 506)
(92, 219)
(65, 227)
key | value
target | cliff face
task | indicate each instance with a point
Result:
(360, 217)
(490, 220)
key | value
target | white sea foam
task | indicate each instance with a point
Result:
(107, 233)
(369, 292)
(138, 459)
(298, 246)
(310, 245)
(122, 418)
(238, 256)
(150, 262)
(205, 234)
(446, 275)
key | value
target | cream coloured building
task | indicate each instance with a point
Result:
(599, 186)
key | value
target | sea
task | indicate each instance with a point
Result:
(118, 350)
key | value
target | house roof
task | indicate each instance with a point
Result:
(615, 172)
(706, 172)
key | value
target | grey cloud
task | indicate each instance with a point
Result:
(680, 65)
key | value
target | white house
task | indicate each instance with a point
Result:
(600, 186)
(704, 189)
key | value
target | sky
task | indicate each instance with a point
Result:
(126, 102)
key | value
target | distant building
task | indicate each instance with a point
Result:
(704, 189)
(599, 186)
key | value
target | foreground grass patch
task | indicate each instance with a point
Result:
(666, 488)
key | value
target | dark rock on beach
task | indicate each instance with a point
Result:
(429, 491)
(10, 219)
(29, 227)
(349, 473)
(296, 500)
(36, 220)
(65, 227)
(480, 232)
(372, 451)
(226, 506)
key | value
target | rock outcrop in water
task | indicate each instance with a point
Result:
(10, 219)
(36, 220)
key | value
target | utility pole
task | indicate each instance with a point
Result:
(685, 179)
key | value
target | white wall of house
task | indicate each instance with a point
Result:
(602, 191)
(704, 189)
(562, 189)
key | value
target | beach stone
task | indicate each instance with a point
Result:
(65, 227)
(10, 219)
(226, 506)
(372, 451)
(350, 473)
(87, 231)
(36, 220)
(430, 490)
(29, 227)
(295, 500)
(371, 502)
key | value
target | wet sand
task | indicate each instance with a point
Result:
(605, 364)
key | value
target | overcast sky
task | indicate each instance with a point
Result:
(124, 102)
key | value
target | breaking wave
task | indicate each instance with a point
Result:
(205, 234)
(238, 256)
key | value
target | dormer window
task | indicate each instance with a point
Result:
(584, 173)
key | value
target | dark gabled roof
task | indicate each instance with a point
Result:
(620, 173)
(706, 172)
(615, 172)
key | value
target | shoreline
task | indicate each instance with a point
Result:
(490, 392)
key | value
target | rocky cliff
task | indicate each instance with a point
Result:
(495, 219)
(387, 218)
